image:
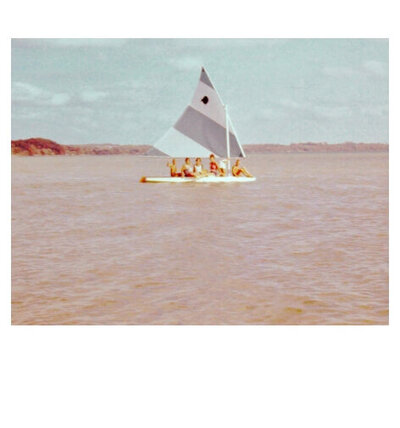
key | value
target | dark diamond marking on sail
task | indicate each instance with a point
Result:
(205, 79)
(207, 133)
(204, 100)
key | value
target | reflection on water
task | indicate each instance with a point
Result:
(307, 243)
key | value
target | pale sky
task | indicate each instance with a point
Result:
(130, 91)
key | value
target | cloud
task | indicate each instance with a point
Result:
(290, 104)
(340, 71)
(371, 67)
(306, 110)
(91, 96)
(377, 68)
(126, 85)
(331, 112)
(270, 113)
(29, 115)
(60, 99)
(89, 42)
(73, 43)
(375, 110)
(187, 63)
(22, 91)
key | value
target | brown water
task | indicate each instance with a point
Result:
(307, 243)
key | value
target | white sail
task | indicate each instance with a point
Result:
(201, 129)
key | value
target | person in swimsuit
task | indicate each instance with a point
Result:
(214, 168)
(199, 171)
(238, 170)
(172, 167)
(222, 167)
(187, 169)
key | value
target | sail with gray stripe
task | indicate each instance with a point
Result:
(201, 129)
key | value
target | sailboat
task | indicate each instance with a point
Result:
(204, 128)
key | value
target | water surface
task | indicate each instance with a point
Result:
(307, 243)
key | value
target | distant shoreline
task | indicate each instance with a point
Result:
(45, 147)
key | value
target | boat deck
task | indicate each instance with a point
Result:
(197, 180)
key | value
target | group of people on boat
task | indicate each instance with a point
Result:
(197, 169)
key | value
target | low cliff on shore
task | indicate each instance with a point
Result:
(316, 147)
(42, 146)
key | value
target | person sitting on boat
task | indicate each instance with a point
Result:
(187, 169)
(199, 170)
(214, 168)
(222, 167)
(238, 170)
(172, 167)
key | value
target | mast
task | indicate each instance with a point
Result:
(228, 146)
(227, 119)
